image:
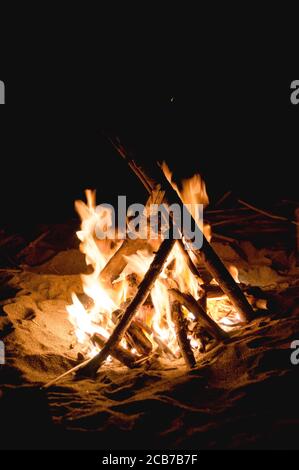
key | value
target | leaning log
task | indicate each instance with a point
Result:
(134, 335)
(205, 255)
(118, 262)
(190, 303)
(152, 187)
(181, 334)
(160, 343)
(144, 288)
(119, 353)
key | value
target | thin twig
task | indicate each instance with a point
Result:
(223, 198)
(65, 374)
(268, 214)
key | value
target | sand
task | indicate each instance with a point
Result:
(241, 395)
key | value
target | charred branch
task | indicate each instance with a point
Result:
(140, 297)
(119, 353)
(190, 303)
(181, 334)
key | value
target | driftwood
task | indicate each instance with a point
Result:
(119, 353)
(190, 303)
(140, 297)
(181, 334)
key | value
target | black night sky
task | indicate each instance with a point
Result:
(230, 120)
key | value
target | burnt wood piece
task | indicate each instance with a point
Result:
(152, 186)
(117, 262)
(121, 328)
(135, 336)
(213, 263)
(254, 296)
(206, 255)
(181, 334)
(119, 353)
(193, 306)
(162, 346)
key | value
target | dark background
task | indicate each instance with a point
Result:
(225, 116)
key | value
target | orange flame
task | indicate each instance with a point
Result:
(100, 316)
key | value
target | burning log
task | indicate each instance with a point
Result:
(119, 353)
(199, 273)
(253, 295)
(206, 255)
(135, 335)
(140, 297)
(190, 303)
(117, 262)
(151, 186)
(162, 346)
(202, 301)
(213, 292)
(213, 263)
(181, 334)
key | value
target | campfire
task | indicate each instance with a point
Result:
(153, 298)
(159, 312)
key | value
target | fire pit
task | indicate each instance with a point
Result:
(142, 303)
(159, 334)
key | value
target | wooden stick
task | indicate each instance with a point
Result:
(199, 274)
(211, 260)
(206, 254)
(223, 237)
(234, 220)
(223, 198)
(140, 297)
(119, 353)
(117, 262)
(163, 346)
(268, 214)
(213, 291)
(201, 316)
(202, 301)
(135, 335)
(151, 185)
(181, 334)
(65, 374)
